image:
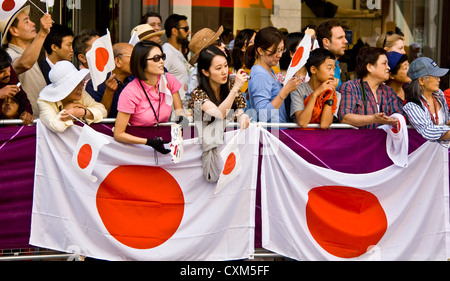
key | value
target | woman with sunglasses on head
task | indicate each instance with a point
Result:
(266, 95)
(392, 42)
(214, 104)
(148, 99)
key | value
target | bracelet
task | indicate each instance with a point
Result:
(85, 112)
(281, 97)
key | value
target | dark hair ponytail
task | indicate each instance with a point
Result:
(264, 39)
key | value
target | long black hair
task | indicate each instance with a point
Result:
(242, 40)
(204, 63)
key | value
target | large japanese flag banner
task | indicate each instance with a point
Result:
(139, 211)
(314, 213)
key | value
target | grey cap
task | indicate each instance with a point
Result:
(423, 66)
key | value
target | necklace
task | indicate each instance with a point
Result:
(434, 118)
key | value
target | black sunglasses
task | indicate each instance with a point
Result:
(389, 33)
(157, 58)
(185, 28)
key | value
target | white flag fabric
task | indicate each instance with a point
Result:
(9, 8)
(164, 88)
(139, 211)
(134, 39)
(397, 141)
(86, 152)
(313, 213)
(232, 166)
(100, 59)
(300, 57)
(49, 3)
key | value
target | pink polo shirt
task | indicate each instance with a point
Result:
(133, 101)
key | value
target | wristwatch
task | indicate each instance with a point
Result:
(329, 102)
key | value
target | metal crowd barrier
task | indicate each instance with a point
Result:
(259, 255)
(6, 122)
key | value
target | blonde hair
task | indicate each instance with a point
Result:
(388, 39)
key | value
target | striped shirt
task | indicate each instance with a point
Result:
(420, 118)
(352, 101)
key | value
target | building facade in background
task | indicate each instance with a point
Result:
(424, 23)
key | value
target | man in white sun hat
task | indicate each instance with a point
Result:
(23, 43)
(65, 99)
(144, 32)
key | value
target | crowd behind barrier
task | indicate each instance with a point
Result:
(166, 83)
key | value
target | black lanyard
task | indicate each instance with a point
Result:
(159, 105)
(363, 89)
(364, 95)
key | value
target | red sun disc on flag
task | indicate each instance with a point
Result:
(141, 207)
(230, 164)
(8, 5)
(84, 156)
(297, 57)
(101, 58)
(346, 222)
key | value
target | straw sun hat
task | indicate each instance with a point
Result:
(202, 39)
(64, 77)
(145, 32)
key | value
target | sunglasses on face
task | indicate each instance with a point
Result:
(157, 58)
(185, 28)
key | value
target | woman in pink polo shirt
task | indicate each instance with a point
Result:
(148, 99)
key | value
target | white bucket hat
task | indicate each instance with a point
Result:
(64, 77)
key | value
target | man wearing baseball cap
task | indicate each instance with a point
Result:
(427, 109)
(24, 43)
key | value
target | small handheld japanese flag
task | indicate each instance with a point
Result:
(301, 55)
(9, 8)
(49, 4)
(86, 152)
(176, 146)
(134, 39)
(232, 163)
(100, 59)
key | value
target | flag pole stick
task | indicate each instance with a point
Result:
(37, 7)
(77, 119)
(40, 9)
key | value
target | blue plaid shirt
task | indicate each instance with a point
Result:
(352, 101)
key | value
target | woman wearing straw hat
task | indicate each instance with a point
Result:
(202, 39)
(65, 100)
